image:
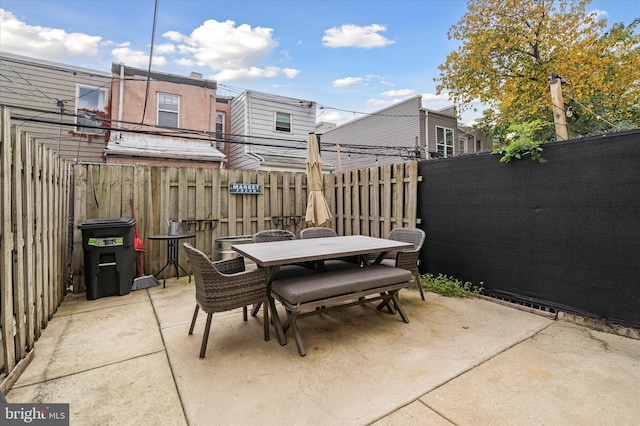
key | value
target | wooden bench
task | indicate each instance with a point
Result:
(320, 292)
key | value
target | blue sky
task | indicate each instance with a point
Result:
(349, 56)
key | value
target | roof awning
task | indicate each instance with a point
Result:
(160, 147)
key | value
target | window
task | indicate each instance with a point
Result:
(220, 136)
(283, 122)
(90, 102)
(444, 141)
(168, 108)
(462, 145)
(478, 145)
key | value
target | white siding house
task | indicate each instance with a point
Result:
(270, 132)
(401, 132)
(387, 136)
(62, 106)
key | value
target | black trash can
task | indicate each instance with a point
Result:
(108, 256)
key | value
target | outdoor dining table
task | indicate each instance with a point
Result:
(274, 254)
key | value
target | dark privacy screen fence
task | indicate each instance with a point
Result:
(563, 234)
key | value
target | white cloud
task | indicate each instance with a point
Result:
(376, 102)
(185, 62)
(432, 97)
(435, 102)
(285, 56)
(136, 58)
(290, 72)
(347, 81)
(599, 13)
(234, 52)
(165, 49)
(395, 93)
(223, 46)
(356, 36)
(253, 73)
(43, 42)
(333, 116)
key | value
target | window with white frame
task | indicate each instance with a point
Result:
(444, 141)
(478, 145)
(90, 109)
(282, 122)
(168, 110)
(220, 136)
(462, 145)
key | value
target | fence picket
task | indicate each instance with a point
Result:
(33, 237)
(51, 197)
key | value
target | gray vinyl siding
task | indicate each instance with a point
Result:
(253, 127)
(437, 119)
(37, 84)
(239, 126)
(397, 126)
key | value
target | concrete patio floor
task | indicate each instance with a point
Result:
(128, 360)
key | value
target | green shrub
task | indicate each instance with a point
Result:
(522, 142)
(449, 286)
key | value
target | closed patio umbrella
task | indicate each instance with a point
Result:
(317, 208)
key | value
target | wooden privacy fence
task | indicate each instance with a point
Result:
(45, 199)
(367, 201)
(34, 221)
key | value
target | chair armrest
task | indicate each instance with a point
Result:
(229, 266)
(254, 278)
(408, 259)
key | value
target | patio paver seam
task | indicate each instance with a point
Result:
(97, 309)
(166, 354)
(87, 370)
(483, 361)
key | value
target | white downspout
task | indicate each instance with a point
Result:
(121, 97)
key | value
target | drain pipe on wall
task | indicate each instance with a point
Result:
(121, 97)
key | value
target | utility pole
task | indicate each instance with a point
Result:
(557, 103)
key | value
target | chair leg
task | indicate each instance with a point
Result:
(205, 338)
(255, 310)
(244, 313)
(419, 282)
(193, 320)
(265, 312)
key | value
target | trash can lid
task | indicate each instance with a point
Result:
(112, 222)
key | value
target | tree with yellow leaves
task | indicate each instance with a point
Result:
(510, 48)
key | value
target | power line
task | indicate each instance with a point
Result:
(188, 133)
(25, 80)
(354, 149)
(153, 36)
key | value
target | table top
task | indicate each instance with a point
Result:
(171, 237)
(293, 251)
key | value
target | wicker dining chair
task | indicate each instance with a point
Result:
(408, 259)
(317, 232)
(269, 235)
(224, 285)
(273, 235)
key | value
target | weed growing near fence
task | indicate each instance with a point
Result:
(449, 286)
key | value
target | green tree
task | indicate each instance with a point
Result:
(511, 47)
